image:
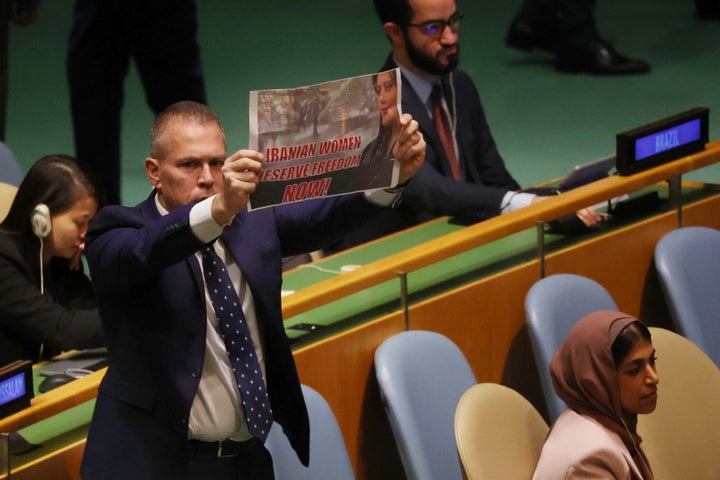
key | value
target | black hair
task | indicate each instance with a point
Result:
(395, 11)
(627, 338)
(56, 180)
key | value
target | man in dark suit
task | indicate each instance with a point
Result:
(169, 406)
(425, 45)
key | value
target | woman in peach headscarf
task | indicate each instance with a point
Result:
(605, 372)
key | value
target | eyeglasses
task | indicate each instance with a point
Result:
(435, 28)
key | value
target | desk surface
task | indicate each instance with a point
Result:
(430, 280)
(56, 431)
(70, 419)
(419, 256)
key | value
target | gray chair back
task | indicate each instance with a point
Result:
(329, 458)
(422, 376)
(10, 171)
(553, 305)
(688, 264)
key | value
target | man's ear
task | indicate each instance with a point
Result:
(394, 33)
(152, 168)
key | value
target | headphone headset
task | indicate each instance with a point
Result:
(40, 221)
(454, 105)
(41, 227)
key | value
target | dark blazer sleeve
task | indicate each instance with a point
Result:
(485, 181)
(127, 249)
(316, 224)
(29, 318)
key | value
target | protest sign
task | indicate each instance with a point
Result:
(327, 139)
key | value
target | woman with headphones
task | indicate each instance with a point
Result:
(46, 302)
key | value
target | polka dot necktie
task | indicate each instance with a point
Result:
(236, 335)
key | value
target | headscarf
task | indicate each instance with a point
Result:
(585, 377)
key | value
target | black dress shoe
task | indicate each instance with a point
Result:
(600, 58)
(523, 36)
(596, 56)
(707, 9)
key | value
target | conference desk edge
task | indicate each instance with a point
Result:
(54, 401)
(486, 320)
(489, 230)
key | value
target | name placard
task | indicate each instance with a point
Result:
(16, 387)
(662, 141)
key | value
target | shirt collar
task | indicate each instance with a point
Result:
(422, 86)
(159, 206)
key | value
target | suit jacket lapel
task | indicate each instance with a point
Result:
(237, 244)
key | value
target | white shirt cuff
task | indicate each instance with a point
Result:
(201, 222)
(381, 197)
(515, 200)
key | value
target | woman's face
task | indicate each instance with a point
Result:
(386, 91)
(67, 237)
(638, 379)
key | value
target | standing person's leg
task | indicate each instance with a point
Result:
(707, 9)
(22, 13)
(166, 53)
(568, 29)
(4, 32)
(97, 63)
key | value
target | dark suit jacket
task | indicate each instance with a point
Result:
(151, 297)
(63, 319)
(485, 180)
(433, 191)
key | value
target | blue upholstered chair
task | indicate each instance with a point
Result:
(10, 171)
(329, 458)
(553, 305)
(422, 376)
(688, 264)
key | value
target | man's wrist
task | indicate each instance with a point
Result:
(397, 188)
(219, 211)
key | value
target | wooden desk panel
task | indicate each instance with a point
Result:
(622, 261)
(341, 370)
(61, 464)
(487, 320)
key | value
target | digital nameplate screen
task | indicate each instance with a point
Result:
(15, 388)
(662, 141)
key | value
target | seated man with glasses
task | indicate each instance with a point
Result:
(463, 175)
